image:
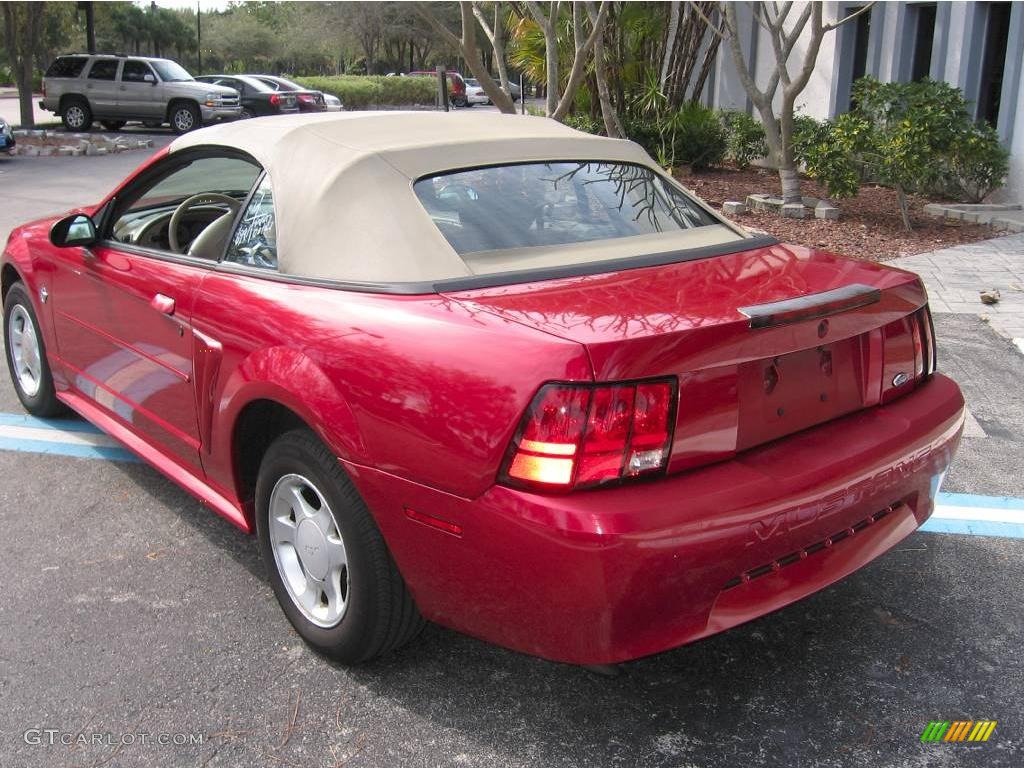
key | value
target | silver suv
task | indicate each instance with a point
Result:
(113, 89)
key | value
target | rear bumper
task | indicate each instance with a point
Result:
(615, 574)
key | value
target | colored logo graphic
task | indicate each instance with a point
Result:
(958, 730)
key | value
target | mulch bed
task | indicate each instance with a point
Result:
(869, 226)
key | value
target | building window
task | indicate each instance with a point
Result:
(924, 36)
(861, 33)
(993, 62)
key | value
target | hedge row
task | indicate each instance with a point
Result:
(367, 91)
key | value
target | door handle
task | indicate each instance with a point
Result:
(163, 304)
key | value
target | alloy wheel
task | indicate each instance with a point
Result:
(183, 120)
(25, 351)
(75, 116)
(308, 550)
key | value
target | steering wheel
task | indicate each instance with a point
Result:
(205, 199)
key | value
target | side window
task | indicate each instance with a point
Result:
(67, 66)
(135, 71)
(255, 240)
(202, 196)
(103, 69)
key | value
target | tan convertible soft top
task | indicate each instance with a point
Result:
(342, 182)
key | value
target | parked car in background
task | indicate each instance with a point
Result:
(6, 136)
(492, 372)
(333, 103)
(475, 93)
(308, 100)
(258, 98)
(514, 91)
(456, 86)
(114, 89)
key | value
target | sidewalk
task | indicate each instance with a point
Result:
(955, 277)
(10, 110)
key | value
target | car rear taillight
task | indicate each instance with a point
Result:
(275, 99)
(583, 435)
(307, 98)
(908, 350)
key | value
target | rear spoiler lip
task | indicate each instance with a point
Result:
(811, 306)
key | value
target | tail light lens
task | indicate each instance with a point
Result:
(583, 435)
(307, 98)
(909, 353)
(275, 99)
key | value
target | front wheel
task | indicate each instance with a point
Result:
(184, 118)
(26, 355)
(328, 564)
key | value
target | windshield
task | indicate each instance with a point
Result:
(548, 204)
(170, 72)
(472, 81)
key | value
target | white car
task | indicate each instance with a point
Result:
(333, 103)
(475, 93)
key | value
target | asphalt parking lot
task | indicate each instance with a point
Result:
(131, 615)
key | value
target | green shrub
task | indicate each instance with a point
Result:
(807, 132)
(976, 166)
(745, 142)
(691, 135)
(367, 91)
(586, 123)
(913, 137)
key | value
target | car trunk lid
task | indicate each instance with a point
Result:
(764, 342)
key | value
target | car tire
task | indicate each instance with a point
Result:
(76, 115)
(184, 118)
(327, 561)
(26, 355)
(112, 125)
(246, 114)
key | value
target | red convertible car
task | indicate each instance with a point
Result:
(491, 372)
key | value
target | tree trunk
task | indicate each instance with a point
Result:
(670, 42)
(901, 199)
(612, 124)
(23, 78)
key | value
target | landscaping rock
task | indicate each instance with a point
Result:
(934, 209)
(990, 297)
(793, 211)
(733, 208)
(65, 151)
(827, 212)
(30, 151)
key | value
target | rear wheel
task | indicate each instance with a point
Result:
(76, 115)
(246, 113)
(327, 561)
(184, 118)
(26, 355)
(112, 125)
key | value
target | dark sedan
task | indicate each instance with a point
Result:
(258, 98)
(309, 101)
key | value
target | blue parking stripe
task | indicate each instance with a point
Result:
(110, 453)
(975, 500)
(66, 425)
(973, 528)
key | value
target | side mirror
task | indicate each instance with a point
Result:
(77, 229)
(149, 79)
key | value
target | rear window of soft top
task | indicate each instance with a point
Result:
(531, 205)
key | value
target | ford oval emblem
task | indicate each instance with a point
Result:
(900, 379)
